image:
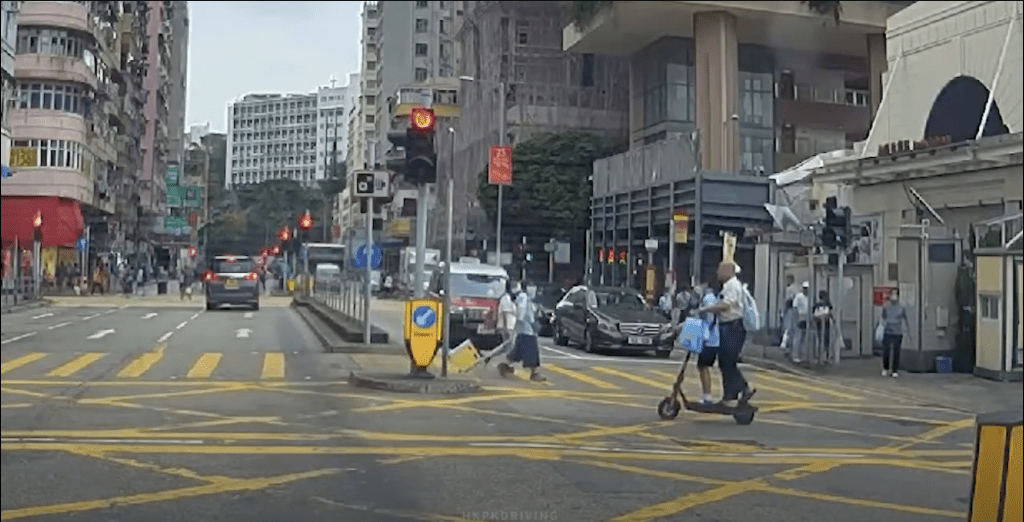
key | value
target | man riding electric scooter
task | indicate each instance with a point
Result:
(732, 335)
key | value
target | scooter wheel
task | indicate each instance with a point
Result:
(669, 408)
(744, 416)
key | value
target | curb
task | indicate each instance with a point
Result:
(402, 384)
(27, 306)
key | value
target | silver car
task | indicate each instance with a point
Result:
(232, 280)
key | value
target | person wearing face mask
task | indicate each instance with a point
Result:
(526, 349)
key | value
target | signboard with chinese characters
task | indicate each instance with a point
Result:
(175, 225)
(173, 175)
(174, 194)
(499, 166)
(681, 227)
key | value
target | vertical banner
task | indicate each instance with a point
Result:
(499, 166)
(681, 227)
(729, 247)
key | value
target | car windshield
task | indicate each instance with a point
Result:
(233, 266)
(478, 285)
(617, 300)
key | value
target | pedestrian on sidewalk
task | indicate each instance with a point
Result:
(733, 335)
(801, 306)
(894, 317)
(525, 350)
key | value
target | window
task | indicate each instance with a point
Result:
(53, 42)
(371, 65)
(787, 143)
(680, 92)
(757, 96)
(441, 27)
(757, 154)
(988, 306)
(421, 74)
(63, 154)
(421, 49)
(422, 25)
(522, 32)
(587, 71)
(422, 4)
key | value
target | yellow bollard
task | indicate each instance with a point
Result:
(996, 490)
(291, 285)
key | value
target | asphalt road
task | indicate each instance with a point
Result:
(164, 411)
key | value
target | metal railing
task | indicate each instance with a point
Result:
(18, 291)
(345, 295)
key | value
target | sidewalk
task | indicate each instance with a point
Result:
(953, 390)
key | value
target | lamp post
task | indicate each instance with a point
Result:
(502, 133)
(305, 225)
(447, 325)
(37, 248)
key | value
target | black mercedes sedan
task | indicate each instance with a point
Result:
(612, 319)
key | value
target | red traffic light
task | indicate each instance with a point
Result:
(37, 220)
(422, 119)
(192, 251)
(284, 234)
(275, 250)
(264, 252)
(306, 221)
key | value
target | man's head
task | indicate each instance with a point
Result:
(894, 295)
(726, 270)
(805, 287)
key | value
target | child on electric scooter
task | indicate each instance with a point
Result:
(708, 297)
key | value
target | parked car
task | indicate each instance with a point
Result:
(612, 319)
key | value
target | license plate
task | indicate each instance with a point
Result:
(484, 330)
(230, 283)
(637, 339)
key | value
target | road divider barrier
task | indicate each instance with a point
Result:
(996, 489)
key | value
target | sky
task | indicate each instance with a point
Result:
(238, 48)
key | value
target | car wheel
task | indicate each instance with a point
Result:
(560, 338)
(256, 305)
(210, 306)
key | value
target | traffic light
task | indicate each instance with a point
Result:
(37, 226)
(306, 222)
(420, 156)
(284, 234)
(192, 251)
(838, 229)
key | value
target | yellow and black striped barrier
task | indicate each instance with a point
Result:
(996, 491)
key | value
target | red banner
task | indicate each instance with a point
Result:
(499, 166)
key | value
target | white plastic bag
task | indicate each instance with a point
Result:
(879, 333)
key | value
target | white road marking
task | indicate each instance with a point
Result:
(562, 352)
(40, 316)
(247, 315)
(181, 325)
(58, 325)
(242, 333)
(197, 314)
(101, 334)
(18, 338)
(150, 315)
(93, 316)
(165, 337)
(122, 307)
(114, 310)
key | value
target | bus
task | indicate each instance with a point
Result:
(326, 253)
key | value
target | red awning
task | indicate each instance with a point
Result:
(62, 220)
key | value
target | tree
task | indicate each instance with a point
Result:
(251, 215)
(551, 190)
(334, 182)
(833, 9)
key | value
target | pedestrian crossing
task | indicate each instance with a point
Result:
(148, 366)
(569, 376)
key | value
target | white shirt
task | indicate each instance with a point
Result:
(800, 303)
(732, 295)
(506, 313)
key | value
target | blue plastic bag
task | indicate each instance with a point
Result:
(692, 335)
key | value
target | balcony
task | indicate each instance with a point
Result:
(623, 28)
(47, 67)
(70, 15)
(845, 109)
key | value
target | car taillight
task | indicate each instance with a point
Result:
(209, 276)
(251, 276)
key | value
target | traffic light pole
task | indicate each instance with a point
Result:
(368, 288)
(421, 231)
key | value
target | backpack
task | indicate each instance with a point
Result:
(751, 317)
(692, 335)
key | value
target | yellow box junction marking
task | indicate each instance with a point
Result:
(143, 363)
(204, 366)
(24, 360)
(273, 366)
(75, 365)
(582, 377)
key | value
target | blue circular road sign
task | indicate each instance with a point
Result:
(359, 257)
(424, 316)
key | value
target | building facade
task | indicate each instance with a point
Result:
(9, 19)
(362, 122)
(77, 125)
(272, 136)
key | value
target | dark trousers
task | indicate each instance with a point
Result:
(731, 340)
(891, 346)
(526, 351)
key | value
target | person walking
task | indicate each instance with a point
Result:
(525, 350)
(801, 340)
(733, 335)
(894, 318)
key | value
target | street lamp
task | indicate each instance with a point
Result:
(447, 325)
(502, 131)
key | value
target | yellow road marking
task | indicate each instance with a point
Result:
(75, 365)
(143, 363)
(14, 364)
(797, 382)
(204, 366)
(273, 366)
(824, 497)
(582, 377)
(630, 377)
(938, 432)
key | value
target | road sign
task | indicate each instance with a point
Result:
(82, 244)
(422, 330)
(372, 183)
(359, 257)
(499, 168)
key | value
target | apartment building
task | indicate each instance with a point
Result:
(272, 136)
(362, 124)
(77, 120)
(165, 199)
(9, 19)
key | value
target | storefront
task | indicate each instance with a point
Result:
(60, 226)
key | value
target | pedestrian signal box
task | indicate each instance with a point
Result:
(422, 330)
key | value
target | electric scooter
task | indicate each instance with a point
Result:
(670, 406)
